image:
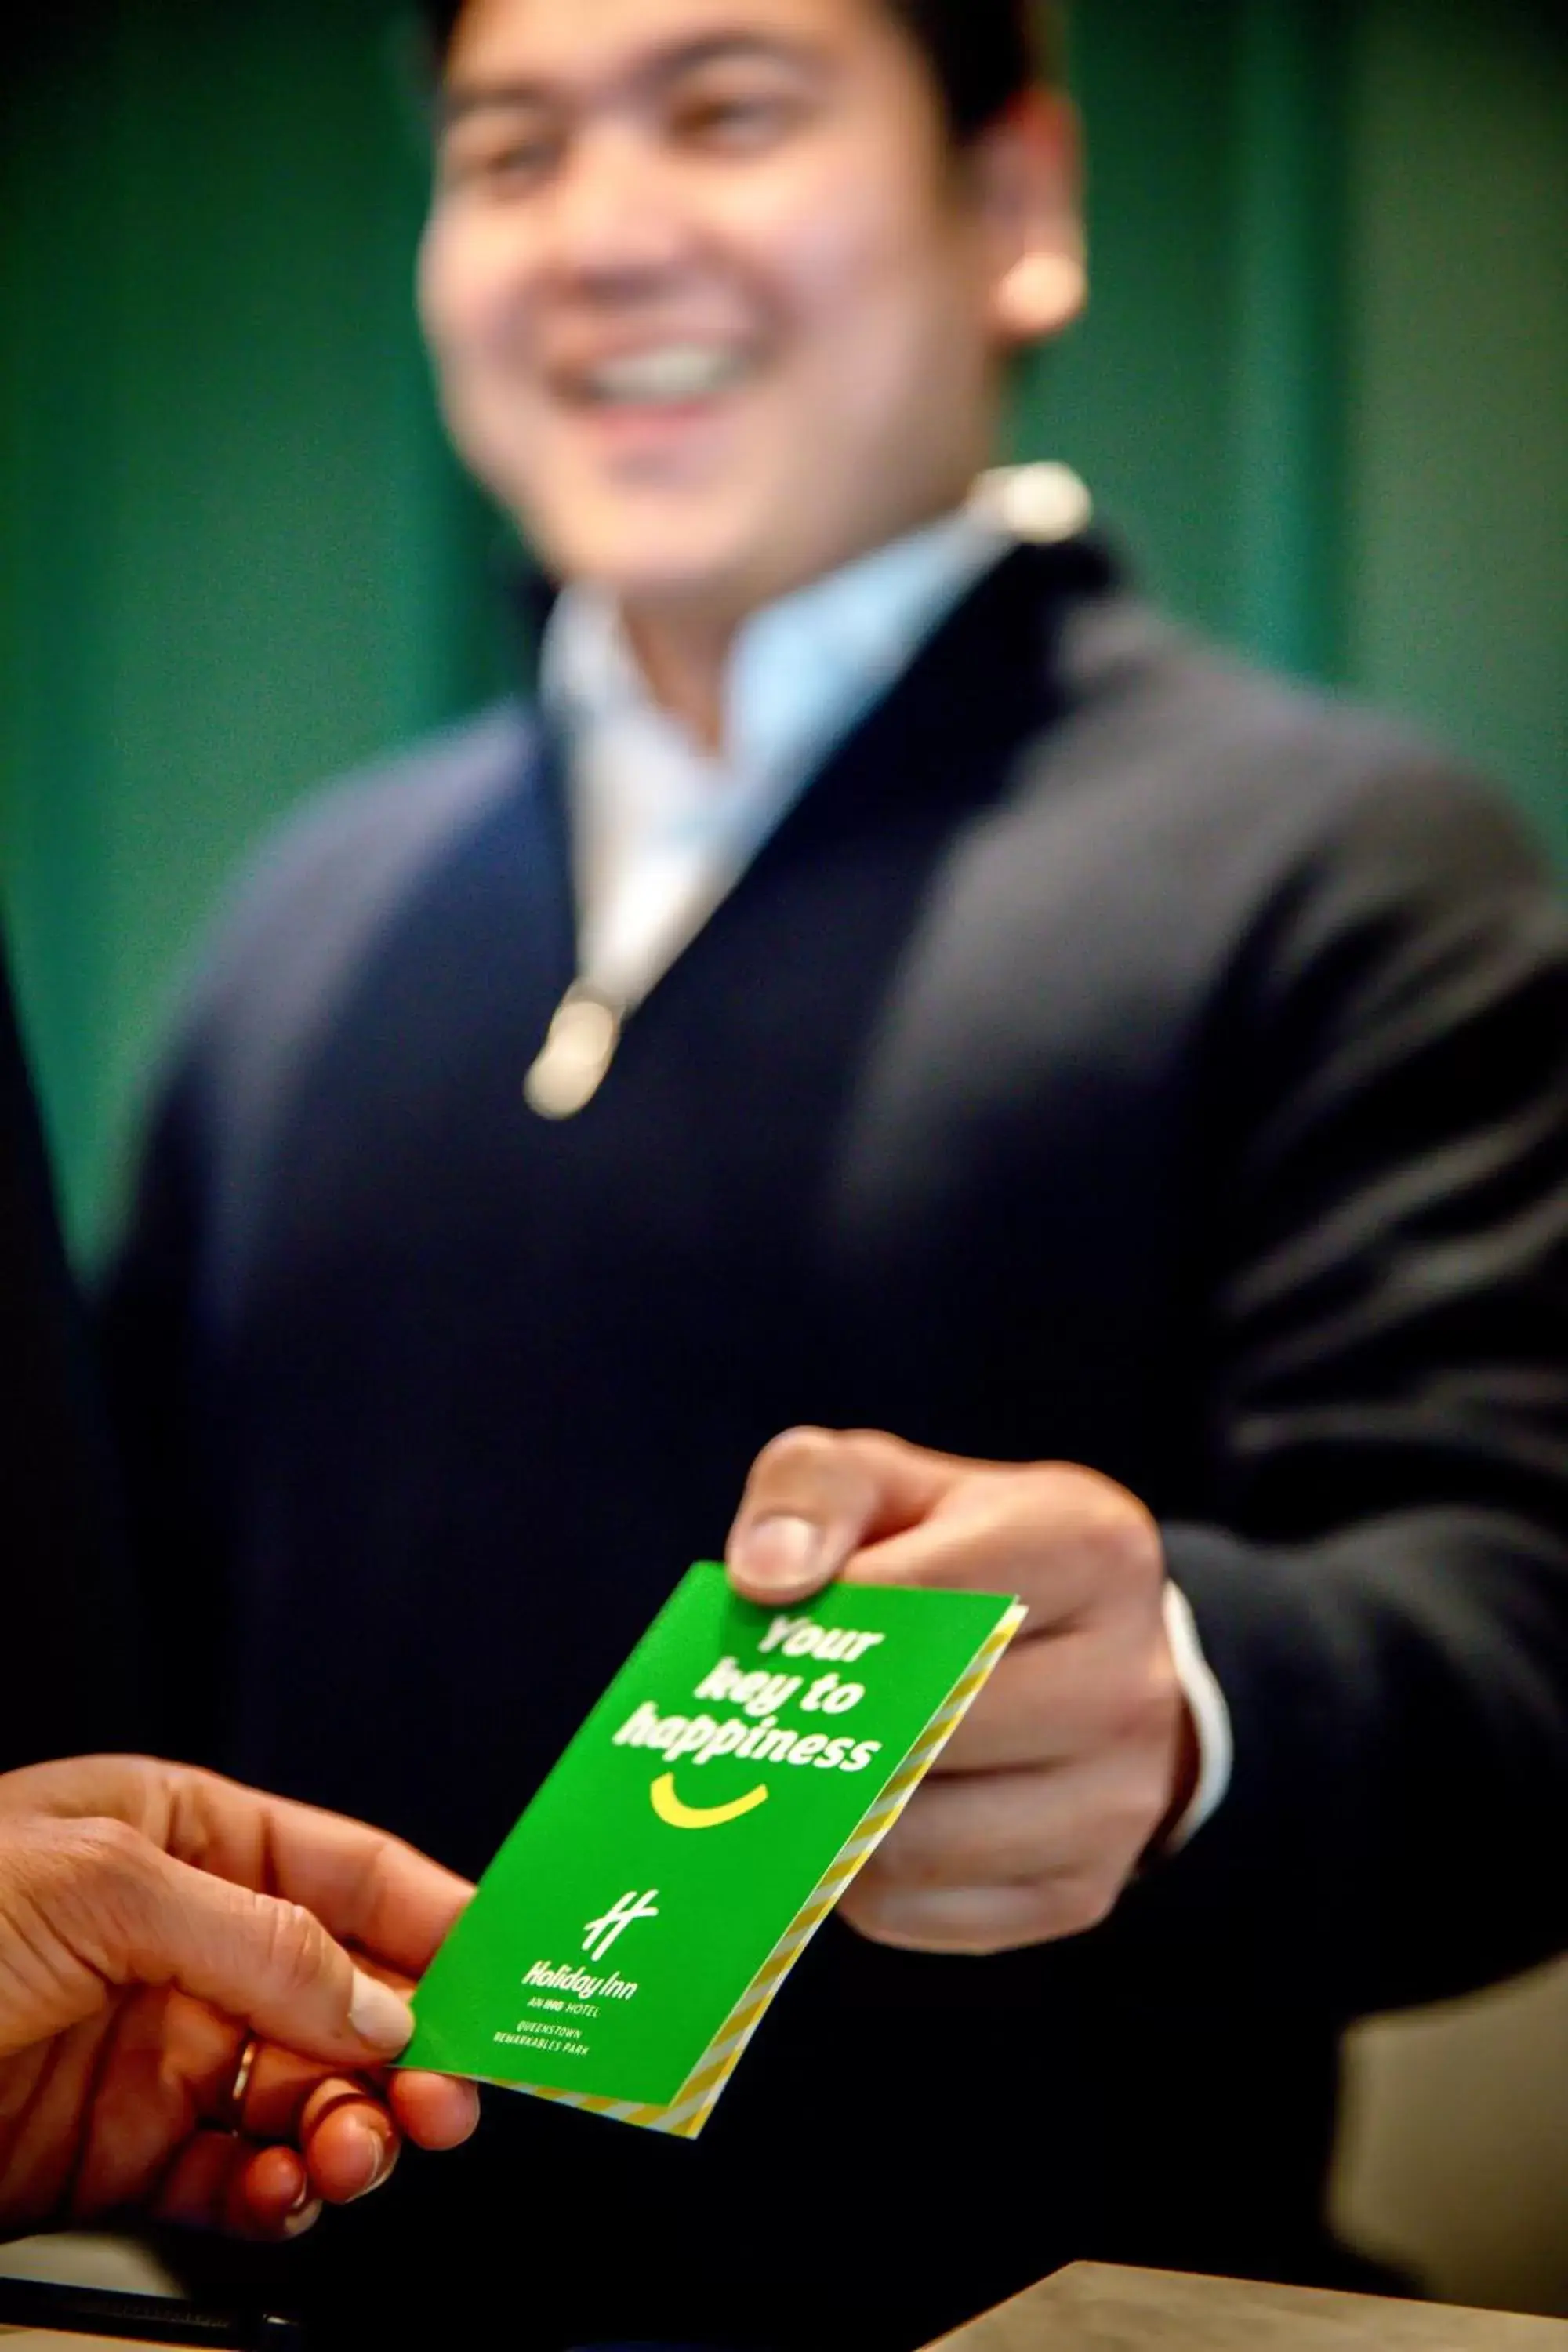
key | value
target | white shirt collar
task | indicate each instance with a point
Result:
(662, 829)
(803, 670)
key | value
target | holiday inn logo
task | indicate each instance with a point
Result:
(601, 1933)
(598, 1935)
(544, 1975)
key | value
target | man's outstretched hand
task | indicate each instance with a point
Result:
(153, 1921)
(1080, 1753)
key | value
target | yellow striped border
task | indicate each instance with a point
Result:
(698, 2095)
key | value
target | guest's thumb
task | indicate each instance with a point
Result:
(266, 1962)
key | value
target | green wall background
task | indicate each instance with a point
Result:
(1322, 392)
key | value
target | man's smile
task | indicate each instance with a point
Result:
(663, 375)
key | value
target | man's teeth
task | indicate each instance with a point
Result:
(679, 372)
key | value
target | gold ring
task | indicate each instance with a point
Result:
(231, 2108)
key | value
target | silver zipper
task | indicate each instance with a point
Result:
(575, 1060)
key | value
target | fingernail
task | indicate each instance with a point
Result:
(380, 2016)
(302, 2200)
(306, 2219)
(377, 2154)
(781, 1554)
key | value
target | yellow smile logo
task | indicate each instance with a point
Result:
(670, 1810)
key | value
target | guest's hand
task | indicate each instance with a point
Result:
(199, 1990)
(1080, 1750)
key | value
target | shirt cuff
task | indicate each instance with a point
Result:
(1211, 1718)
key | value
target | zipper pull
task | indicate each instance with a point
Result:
(575, 1058)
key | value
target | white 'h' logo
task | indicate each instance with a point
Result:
(617, 1919)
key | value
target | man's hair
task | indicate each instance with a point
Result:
(984, 53)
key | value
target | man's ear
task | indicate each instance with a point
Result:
(1029, 178)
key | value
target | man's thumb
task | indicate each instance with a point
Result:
(815, 1495)
(270, 1963)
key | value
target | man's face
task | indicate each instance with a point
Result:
(712, 300)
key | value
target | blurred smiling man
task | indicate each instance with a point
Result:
(883, 1047)
(716, 302)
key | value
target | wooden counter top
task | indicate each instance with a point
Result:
(1092, 2308)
